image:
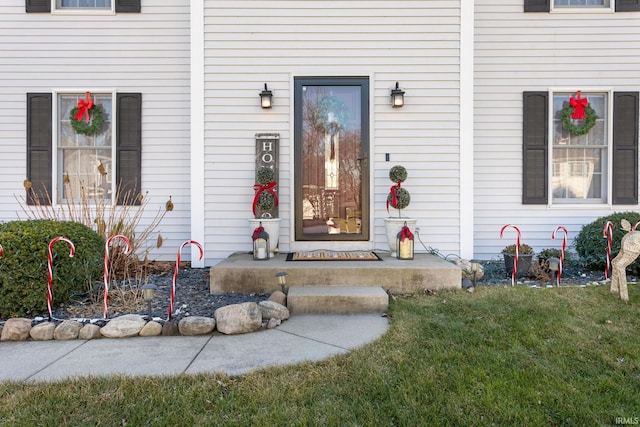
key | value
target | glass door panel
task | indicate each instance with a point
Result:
(331, 153)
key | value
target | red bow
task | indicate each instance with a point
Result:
(405, 233)
(84, 105)
(578, 104)
(256, 232)
(259, 189)
(394, 198)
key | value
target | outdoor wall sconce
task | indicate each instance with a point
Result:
(260, 244)
(475, 268)
(265, 97)
(397, 97)
(404, 243)
(148, 294)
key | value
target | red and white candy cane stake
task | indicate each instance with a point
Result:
(105, 304)
(50, 268)
(175, 273)
(514, 272)
(564, 247)
(607, 233)
(1, 251)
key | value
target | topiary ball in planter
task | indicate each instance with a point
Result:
(398, 174)
(23, 267)
(266, 200)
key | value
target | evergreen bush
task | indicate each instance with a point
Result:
(23, 267)
(591, 245)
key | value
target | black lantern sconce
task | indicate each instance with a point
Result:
(260, 244)
(265, 97)
(404, 243)
(397, 97)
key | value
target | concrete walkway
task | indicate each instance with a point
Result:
(304, 337)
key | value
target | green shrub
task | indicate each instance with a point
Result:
(23, 268)
(591, 245)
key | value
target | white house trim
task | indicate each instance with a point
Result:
(466, 128)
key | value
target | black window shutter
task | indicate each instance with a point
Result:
(128, 6)
(128, 147)
(39, 140)
(625, 148)
(537, 5)
(627, 5)
(535, 126)
(38, 6)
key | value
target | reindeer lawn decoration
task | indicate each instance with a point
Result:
(629, 251)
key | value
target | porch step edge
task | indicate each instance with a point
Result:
(337, 299)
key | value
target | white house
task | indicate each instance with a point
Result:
(480, 131)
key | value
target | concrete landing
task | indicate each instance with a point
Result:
(239, 273)
(337, 299)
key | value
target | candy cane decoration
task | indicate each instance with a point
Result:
(175, 273)
(1, 251)
(105, 303)
(564, 247)
(514, 271)
(50, 268)
(607, 233)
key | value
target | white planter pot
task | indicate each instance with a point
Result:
(272, 227)
(393, 226)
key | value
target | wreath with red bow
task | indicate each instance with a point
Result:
(86, 118)
(578, 109)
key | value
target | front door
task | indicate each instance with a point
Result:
(331, 133)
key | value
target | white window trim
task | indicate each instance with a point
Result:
(55, 10)
(573, 206)
(56, 197)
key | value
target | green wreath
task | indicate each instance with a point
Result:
(586, 125)
(84, 128)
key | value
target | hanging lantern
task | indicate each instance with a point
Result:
(404, 243)
(260, 244)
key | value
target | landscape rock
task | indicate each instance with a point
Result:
(196, 325)
(67, 330)
(151, 329)
(125, 326)
(89, 332)
(42, 331)
(170, 329)
(272, 309)
(273, 323)
(279, 297)
(238, 318)
(16, 329)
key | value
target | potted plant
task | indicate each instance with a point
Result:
(525, 256)
(264, 200)
(398, 198)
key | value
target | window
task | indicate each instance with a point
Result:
(580, 170)
(581, 4)
(83, 4)
(579, 163)
(95, 162)
(84, 162)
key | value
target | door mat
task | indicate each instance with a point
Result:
(324, 255)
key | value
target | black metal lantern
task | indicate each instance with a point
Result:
(260, 244)
(404, 243)
(397, 97)
(265, 97)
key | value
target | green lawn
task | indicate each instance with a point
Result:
(500, 356)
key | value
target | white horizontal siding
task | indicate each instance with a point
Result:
(516, 52)
(248, 43)
(146, 52)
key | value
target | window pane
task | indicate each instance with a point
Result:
(84, 161)
(579, 171)
(83, 4)
(581, 3)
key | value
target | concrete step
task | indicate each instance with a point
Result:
(337, 299)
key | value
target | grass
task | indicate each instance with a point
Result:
(499, 356)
